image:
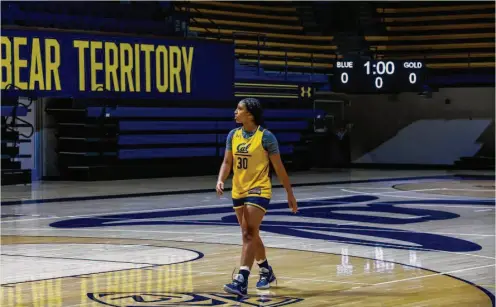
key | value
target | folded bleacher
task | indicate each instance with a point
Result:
(448, 36)
(103, 16)
(268, 34)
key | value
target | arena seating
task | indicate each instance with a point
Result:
(448, 35)
(115, 16)
(127, 136)
(270, 34)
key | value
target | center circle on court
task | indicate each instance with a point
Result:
(62, 260)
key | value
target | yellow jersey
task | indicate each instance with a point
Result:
(250, 166)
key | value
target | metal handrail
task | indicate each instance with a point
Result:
(206, 17)
(259, 35)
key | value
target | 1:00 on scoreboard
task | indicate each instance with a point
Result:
(378, 76)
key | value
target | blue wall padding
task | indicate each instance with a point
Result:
(167, 153)
(167, 139)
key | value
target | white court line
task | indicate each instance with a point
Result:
(484, 210)
(388, 194)
(165, 209)
(159, 266)
(324, 280)
(431, 275)
(449, 206)
(470, 190)
(254, 276)
(223, 205)
(200, 234)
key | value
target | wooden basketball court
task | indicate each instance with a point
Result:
(361, 238)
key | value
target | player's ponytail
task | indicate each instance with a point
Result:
(255, 108)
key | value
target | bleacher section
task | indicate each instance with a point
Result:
(120, 142)
(269, 33)
(449, 36)
(105, 16)
(12, 111)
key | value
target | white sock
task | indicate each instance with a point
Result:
(245, 268)
(261, 261)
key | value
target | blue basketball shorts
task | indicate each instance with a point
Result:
(260, 202)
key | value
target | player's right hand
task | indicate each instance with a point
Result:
(220, 188)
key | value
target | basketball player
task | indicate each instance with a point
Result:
(249, 151)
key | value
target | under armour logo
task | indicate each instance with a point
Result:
(306, 91)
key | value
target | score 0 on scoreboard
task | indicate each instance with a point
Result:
(378, 76)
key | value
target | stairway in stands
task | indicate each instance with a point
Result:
(12, 113)
(82, 142)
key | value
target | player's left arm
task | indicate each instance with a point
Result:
(272, 147)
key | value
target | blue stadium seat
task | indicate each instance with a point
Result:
(203, 125)
(173, 125)
(167, 139)
(167, 153)
(137, 112)
(286, 125)
(9, 110)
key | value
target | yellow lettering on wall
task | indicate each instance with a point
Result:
(6, 61)
(188, 63)
(175, 69)
(36, 67)
(94, 65)
(137, 72)
(19, 63)
(161, 63)
(126, 67)
(52, 65)
(111, 65)
(81, 45)
(148, 80)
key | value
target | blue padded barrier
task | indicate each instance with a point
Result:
(202, 125)
(174, 125)
(96, 154)
(289, 113)
(167, 139)
(9, 110)
(288, 137)
(284, 125)
(167, 153)
(138, 112)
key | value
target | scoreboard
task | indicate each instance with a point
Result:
(378, 76)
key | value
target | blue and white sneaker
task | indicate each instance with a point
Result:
(266, 277)
(238, 286)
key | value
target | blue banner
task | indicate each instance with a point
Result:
(63, 64)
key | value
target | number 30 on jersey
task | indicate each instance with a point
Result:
(242, 163)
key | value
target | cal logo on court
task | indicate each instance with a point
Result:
(187, 299)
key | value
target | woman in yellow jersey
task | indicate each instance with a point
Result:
(249, 151)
